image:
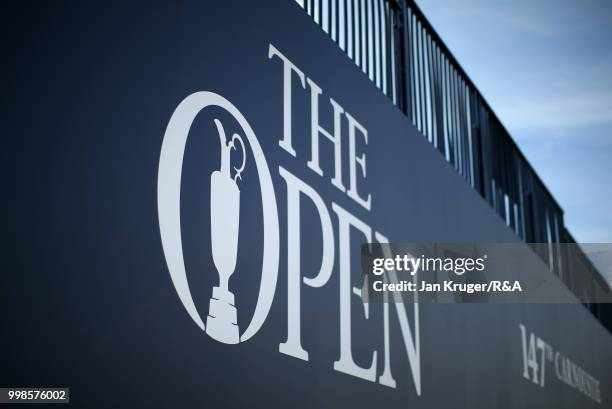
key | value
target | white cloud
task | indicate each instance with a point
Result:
(554, 111)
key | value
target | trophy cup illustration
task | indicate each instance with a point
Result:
(222, 321)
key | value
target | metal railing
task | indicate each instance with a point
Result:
(395, 46)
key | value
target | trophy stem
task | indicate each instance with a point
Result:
(222, 321)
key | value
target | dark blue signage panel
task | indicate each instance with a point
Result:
(190, 185)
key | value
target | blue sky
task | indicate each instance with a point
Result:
(545, 67)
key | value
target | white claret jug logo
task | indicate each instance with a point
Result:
(221, 323)
(243, 148)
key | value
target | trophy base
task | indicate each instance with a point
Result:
(222, 320)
